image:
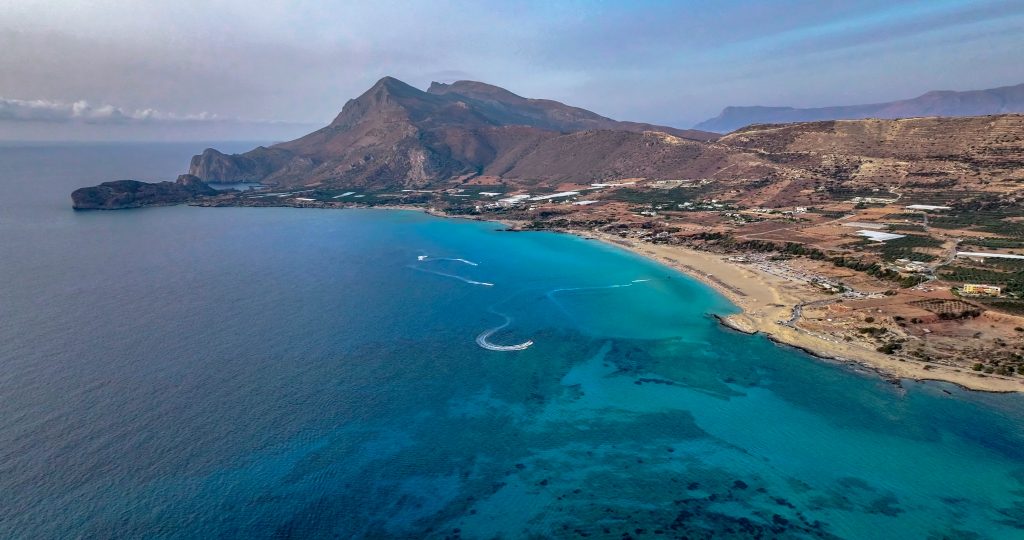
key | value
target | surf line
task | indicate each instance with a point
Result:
(482, 339)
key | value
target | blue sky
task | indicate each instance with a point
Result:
(191, 62)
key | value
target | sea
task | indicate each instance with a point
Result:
(183, 372)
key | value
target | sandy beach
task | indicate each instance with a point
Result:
(767, 302)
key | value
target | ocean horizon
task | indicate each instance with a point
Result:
(185, 372)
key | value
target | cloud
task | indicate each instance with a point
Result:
(655, 61)
(40, 110)
(898, 23)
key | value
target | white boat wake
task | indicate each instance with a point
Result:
(553, 292)
(453, 276)
(482, 339)
(426, 258)
(453, 259)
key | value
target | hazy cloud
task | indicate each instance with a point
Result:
(40, 110)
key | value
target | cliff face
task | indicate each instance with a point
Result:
(121, 194)
(1006, 99)
(252, 166)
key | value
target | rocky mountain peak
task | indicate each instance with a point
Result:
(476, 90)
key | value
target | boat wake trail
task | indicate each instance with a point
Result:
(554, 292)
(453, 259)
(425, 258)
(453, 276)
(482, 339)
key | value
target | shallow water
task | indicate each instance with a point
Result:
(201, 372)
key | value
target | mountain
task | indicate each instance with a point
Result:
(395, 135)
(1006, 99)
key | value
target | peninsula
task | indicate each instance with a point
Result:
(889, 243)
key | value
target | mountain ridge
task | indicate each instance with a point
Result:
(1001, 100)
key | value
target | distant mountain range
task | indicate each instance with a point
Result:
(1006, 99)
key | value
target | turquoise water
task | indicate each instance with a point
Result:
(196, 372)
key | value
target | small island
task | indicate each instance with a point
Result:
(121, 194)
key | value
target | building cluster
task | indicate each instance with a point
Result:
(978, 289)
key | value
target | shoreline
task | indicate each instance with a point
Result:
(765, 301)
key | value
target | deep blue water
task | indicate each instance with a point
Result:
(249, 373)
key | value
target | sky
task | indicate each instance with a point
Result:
(274, 69)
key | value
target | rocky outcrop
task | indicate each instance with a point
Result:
(253, 166)
(121, 194)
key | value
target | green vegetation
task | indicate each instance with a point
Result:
(830, 214)
(890, 348)
(1012, 282)
(993, 221)
(876, 270)
(844, 193)
(672, 196)
(948, 309)
(994, 243)
(912, 227)
(915, 217)
(1004, 305)
(903, 248)
(943, 184)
